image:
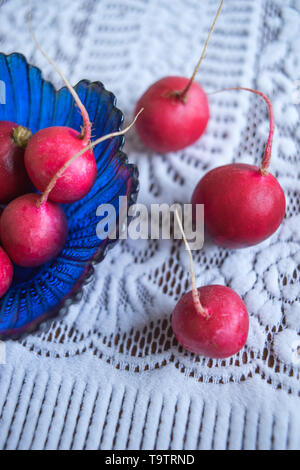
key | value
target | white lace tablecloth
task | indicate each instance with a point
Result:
(108, 373)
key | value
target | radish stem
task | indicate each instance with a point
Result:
(87, 127)
(196, 298)
(264, 167)
(21, 136)
(183, 94)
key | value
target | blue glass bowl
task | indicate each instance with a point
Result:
(33, 102)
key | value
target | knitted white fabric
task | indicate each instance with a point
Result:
(108, 373)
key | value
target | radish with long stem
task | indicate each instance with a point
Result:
(49, 150)
(176, 109)
(212, 320)
(243, 204)
(70, 162)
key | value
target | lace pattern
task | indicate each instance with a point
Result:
(120, 332)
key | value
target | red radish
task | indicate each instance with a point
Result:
(6, 272)
(220, 334)
(34, 230)
(14, 180)
(32, 234)
(70, 163)
(243, 204)
(50, 149)
(176, 110)
(169, 124)
(211, 321)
